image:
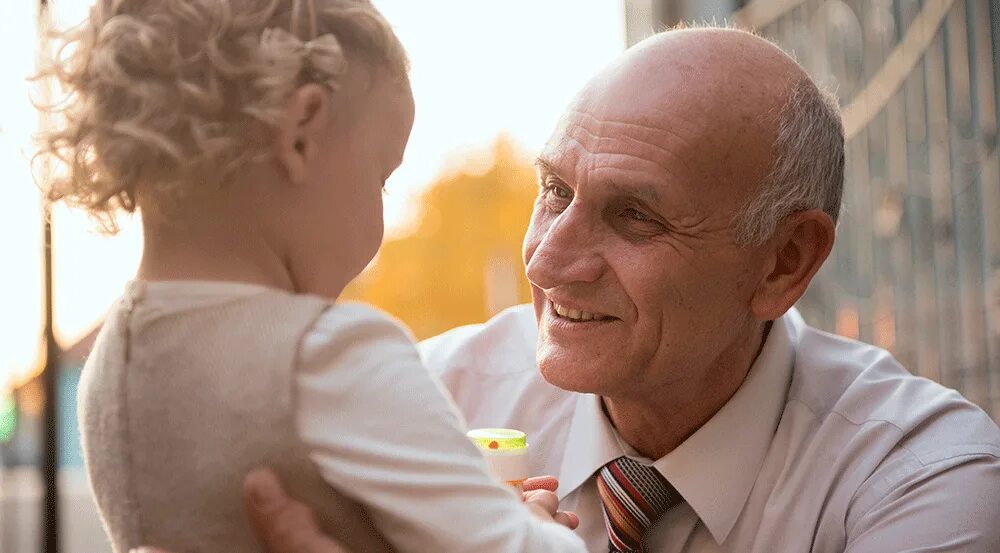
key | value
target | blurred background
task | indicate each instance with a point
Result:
(916, 269)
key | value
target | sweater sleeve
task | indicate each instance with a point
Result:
(383, 431)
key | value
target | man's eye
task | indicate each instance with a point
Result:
(636, 215)
(560, 192)
(557, 197)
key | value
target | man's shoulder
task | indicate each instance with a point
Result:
(847, 382)
(505, 344)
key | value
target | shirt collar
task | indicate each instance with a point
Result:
(592, 443)
(716, 467)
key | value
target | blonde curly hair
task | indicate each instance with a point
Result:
(166, 96)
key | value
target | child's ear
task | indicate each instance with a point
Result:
(304, 122)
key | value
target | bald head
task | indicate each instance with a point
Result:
(741, 110)
(722, 71)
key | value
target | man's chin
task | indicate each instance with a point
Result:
(570, 379)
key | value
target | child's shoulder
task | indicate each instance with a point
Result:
(359, 317)
(357, 327)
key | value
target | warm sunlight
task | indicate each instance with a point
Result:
(20, 226)
(479, 69)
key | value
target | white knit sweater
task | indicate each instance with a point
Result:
(193, 384)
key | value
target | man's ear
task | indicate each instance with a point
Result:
(798, 249)
(304, 122)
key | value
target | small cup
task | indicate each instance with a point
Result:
(506, 453)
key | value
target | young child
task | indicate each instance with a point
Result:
(255, 137)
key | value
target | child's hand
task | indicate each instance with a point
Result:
(550, 483)
(540, 498)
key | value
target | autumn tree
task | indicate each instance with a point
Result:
(462, 262)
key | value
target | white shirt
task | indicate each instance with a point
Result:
(382, 431)
(828, 446)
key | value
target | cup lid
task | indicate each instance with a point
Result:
(502, 439)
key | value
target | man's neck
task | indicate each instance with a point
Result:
(655, 424)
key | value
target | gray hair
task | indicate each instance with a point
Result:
(808, 167)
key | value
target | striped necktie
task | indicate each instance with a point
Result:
(634, 497)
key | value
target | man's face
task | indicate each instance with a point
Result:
(636, 279)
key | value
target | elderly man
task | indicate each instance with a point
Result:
(686, 200)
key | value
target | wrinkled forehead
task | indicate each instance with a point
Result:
(672, 120)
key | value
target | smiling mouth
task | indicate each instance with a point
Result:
(578, 316)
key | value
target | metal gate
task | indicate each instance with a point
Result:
(916, 268)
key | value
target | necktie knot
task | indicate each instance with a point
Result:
(634, 497)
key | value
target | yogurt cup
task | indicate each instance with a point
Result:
(506, 453)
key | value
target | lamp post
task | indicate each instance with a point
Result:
(50, 384)
(50, 373)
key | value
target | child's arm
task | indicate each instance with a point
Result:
(383, 432)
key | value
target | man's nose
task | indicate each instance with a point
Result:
(567, 252)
